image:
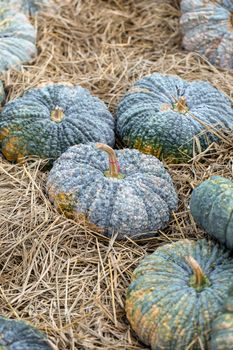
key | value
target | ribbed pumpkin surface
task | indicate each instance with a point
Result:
(137, 204)
(44, 122)
(17, 39)
(18, 335)
(222, 327)
(164, 308)
(162, 115)
(211, 205)
(207, 27)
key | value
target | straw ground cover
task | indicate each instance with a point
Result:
(64, 278)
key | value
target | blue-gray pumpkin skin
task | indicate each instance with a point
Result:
(28, 7)
(26, 127)
(207, 28)
(211, 206)
(148, 118)
(136, 205)
(222, 327)
(18, 335)
(164, 308)
(17, 40)
(2, 93)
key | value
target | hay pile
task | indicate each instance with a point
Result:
(58, 274)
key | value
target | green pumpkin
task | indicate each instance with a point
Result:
(177, 292)
(211, 206)
(18, 335)
(2, 93)
(45, 121)
(168, 117)
(17, 39)
(122, 192)
(222, 327)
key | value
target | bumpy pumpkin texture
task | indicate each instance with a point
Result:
(29, 7)
(207, 28)
(222, 327)
(45, 121)
(18, 335)
(127, 193)
(17, 39)
(168, 117)
(211, 206)
(176, 292)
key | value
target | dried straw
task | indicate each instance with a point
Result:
(64, 278)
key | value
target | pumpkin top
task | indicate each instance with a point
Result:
(165, 304)
(18, 335)
(133, 196)
(17, 39)
(161, 114)
(45, 121)
(208, 28)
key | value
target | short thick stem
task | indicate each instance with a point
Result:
(200, 280)
(113, 163)
(181, 105)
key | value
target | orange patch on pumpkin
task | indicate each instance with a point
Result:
(13, 149)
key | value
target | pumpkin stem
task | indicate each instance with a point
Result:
(114, 169)
(198, 280)
(181, 105)
(57, 115)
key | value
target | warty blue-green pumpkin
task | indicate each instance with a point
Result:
(19, 335)
(207, 28)
(222, 326)
(122, 192)
(28, 7)
(17, 39)
(164, 115)
(211, 206)
(45, 121)
(177, 292)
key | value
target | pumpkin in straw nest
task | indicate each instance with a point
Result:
(169, 117)
(18, 335)
(207, 28)
(17, 39)
(122, 192)
(222, 327)
(177, 292)
(211, 206)
(45, 121)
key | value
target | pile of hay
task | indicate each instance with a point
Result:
(58, 274)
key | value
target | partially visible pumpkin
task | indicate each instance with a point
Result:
(17, 39)
(28, 7)
(2, 93)
(207, 28)
(125, 194)
(211, 206)
(222, 327)
(45, 121)
(177, 292)
(18, 335)
(169, 117)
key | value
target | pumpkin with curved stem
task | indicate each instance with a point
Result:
(176, 292)
(207, 28)
(18, 335)
(17, 39)
(45, 121)
(2, 93)
(122, 192)
(222, 327)
(164, 115)
(211, 206)
(29, 7)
